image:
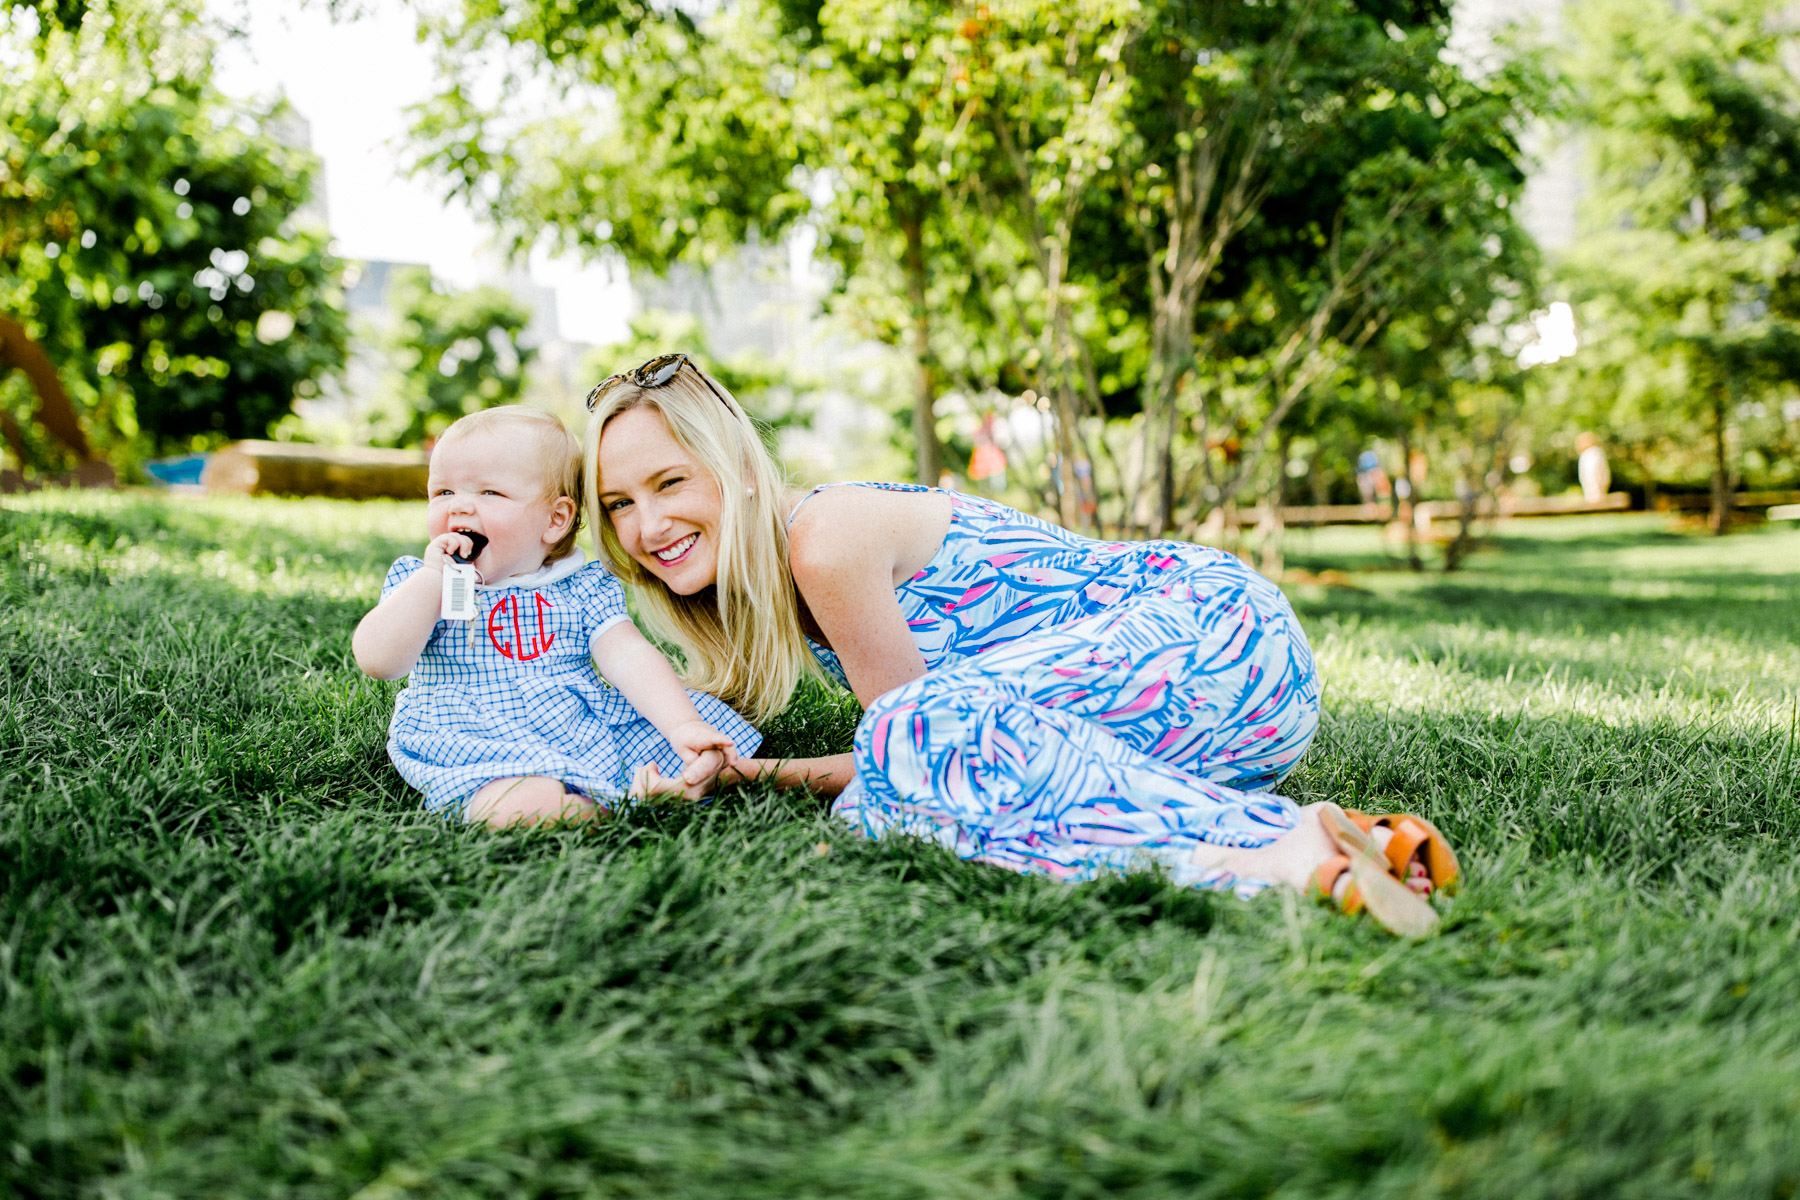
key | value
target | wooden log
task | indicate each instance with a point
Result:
(1562, 506)
(1335, 514)
(1681, 502)
(296, 469)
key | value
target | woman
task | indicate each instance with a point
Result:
(1034, 699)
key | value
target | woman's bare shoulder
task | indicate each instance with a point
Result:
(864, 525)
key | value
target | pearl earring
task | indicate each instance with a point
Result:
(749, 491)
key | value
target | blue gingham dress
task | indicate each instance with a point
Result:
(515, 692)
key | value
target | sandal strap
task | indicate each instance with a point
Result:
(1325, 879)
(1417, 837)
(1407, 835)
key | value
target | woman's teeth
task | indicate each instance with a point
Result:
(673, 552)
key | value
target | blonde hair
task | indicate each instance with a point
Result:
(741, 637)
(558, 455)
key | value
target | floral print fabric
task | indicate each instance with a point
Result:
(1087, 706)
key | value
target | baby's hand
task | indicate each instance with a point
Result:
(649, 781)
(704, 752)
(439, 549)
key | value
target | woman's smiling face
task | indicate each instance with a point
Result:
(663, 505)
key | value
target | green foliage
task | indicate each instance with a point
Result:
(1690, 269)
(680, 159)
(766, 391)
(239, 961)
(147, 234)
(1088, 200)
(458, 352)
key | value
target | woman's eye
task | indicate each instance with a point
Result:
(617, 505)
(666, 484)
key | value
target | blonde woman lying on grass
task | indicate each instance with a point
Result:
(1034, 699)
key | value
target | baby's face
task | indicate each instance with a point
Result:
(489, 482)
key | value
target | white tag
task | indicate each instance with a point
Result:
(459, 592)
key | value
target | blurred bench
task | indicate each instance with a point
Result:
(1694, 502)
(297, 469)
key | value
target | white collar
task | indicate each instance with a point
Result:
(549, 573)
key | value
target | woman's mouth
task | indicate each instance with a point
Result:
(676, 551)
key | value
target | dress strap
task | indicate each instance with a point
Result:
(795, 511)
(880, 487)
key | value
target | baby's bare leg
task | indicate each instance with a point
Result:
(527, 800)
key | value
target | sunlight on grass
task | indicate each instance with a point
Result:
(239, 960)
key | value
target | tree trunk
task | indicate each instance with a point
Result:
(1271, 560)
(1463, 544)
(54, 412)
(1162, 463)
(1719, 518)
(928, 455)
(1408, 512)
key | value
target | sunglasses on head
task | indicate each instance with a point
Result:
(654, 374)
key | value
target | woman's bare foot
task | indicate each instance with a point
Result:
(1295, 857)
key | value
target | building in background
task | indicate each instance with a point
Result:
(1553, 189)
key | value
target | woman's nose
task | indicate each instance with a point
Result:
(652, 520)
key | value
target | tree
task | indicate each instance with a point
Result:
(458, 352)
(1083, 199)
(1277, 171)
(147, 242)
(1690, 269)
(678, 139)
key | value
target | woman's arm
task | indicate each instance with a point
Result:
(847, 550)
(827, 776)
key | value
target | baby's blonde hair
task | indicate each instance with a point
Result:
(741, 638)
(558, 455)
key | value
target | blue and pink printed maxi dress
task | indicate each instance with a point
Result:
(1087, 707)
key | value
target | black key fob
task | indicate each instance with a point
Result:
(478, 543)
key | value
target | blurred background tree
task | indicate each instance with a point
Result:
(1251, 186)
(457, 350)
(147, 236)
(1033, 199)
(1688, 268)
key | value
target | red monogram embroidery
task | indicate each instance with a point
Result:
(505, 618)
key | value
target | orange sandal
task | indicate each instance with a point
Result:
(1377, 880)
(1413, 837)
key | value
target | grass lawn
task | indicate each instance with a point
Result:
(237, 960)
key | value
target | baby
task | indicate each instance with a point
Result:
(505, 717)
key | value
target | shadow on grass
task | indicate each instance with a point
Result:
(1746, 604)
